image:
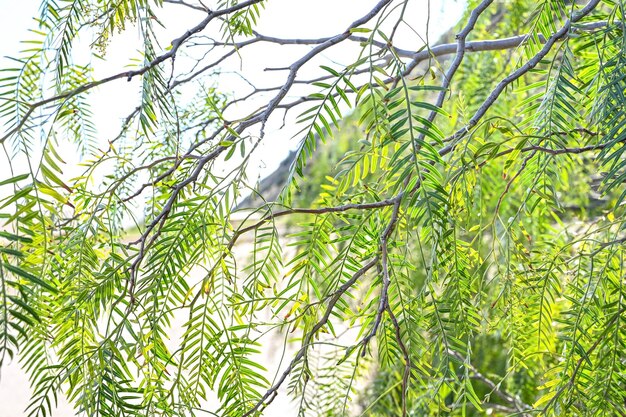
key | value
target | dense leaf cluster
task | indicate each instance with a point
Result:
(449, 241)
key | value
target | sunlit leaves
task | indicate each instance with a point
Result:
(410, 268)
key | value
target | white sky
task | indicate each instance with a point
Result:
(281, 18)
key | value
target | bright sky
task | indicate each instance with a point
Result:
(281, 18)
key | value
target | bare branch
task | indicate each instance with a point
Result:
(532, 63)
(270, 393)
(456, 63)
(176, 44)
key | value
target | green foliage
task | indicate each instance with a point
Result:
(457, 260)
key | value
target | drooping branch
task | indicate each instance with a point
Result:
(270, 393)
(374, 254)
(148, 237)
(515, 75)
(383, 301)
(456, 63)
(175, 46)
(517, 404)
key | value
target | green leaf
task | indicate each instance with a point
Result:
(28, 276)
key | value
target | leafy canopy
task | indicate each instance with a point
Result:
(448, 240)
